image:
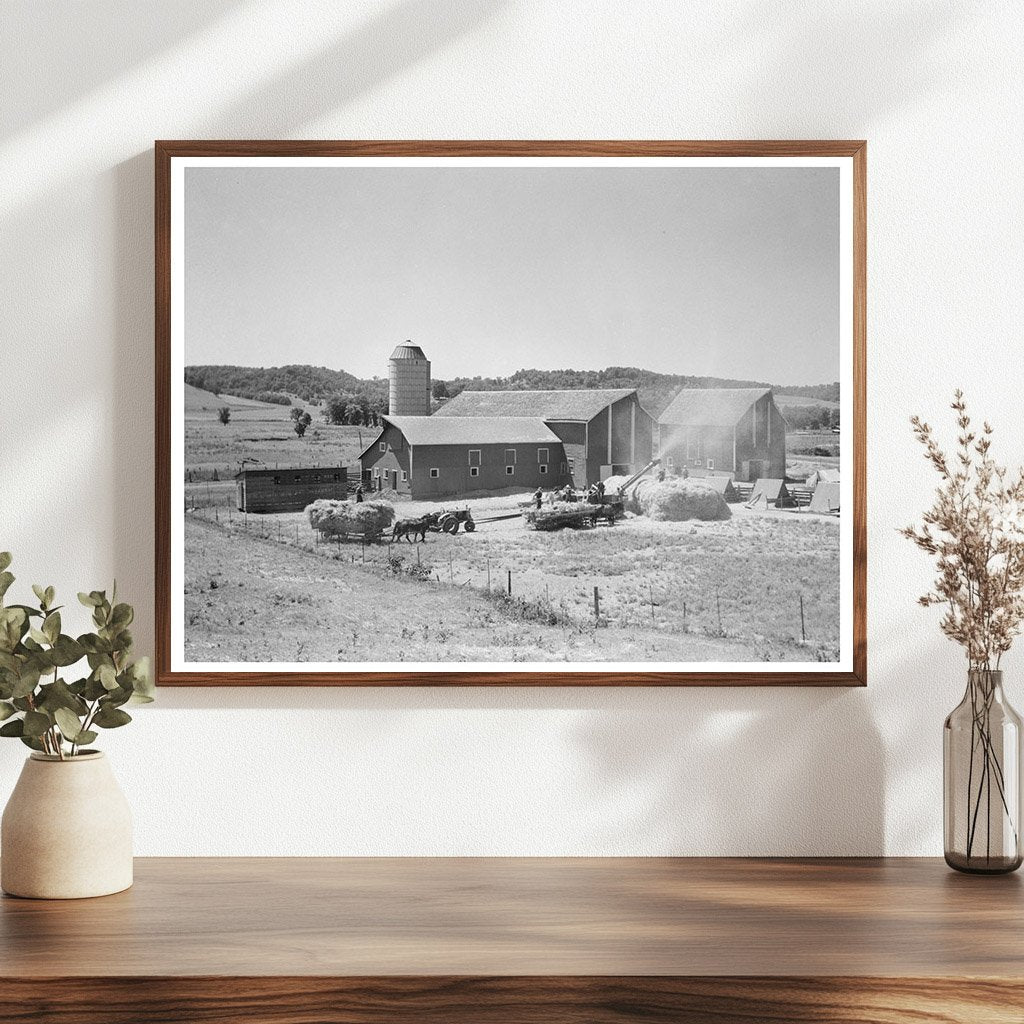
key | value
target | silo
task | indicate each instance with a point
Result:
(409, 378)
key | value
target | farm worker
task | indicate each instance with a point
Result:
(661, 475)
(359, 493)
(600, 488)
(538, 497)
(686, 473)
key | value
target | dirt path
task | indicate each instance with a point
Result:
(254, 600)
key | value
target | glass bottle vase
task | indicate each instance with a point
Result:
(981, 771)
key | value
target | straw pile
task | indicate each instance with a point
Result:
(677, 500)
(343, 518)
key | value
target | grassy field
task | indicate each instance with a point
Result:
(263, 432)
(737, 583)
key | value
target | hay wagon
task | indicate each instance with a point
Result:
(575, 515)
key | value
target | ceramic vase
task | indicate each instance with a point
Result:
(66, 831)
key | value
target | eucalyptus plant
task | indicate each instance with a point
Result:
(37, 703)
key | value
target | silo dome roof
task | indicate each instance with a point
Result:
(407, 350)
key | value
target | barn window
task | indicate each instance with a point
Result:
(711, 463)
(434, 474)
(405, 476)
(543, 467)
(316, 478)
(563, 469)
(510, 470)
(337, 476)
(572, 465)
(542, 455)
(383, 446)
(510, 458)
(697, 462)
(297, 479)
(474, 456)
(376, 470)
(277, 479)
(669, 461)
(474, 470)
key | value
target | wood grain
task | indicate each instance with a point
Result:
(166, 150)
(284, 941)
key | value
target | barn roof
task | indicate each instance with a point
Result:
(469, 430)
(711, 407)
(573, 405)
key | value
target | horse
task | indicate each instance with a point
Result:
(410, 528)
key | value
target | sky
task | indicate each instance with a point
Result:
(726, 272)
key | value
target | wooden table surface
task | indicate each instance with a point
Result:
(501, 939)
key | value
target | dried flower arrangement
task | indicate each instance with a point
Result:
(975, 531)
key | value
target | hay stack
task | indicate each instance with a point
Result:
(675, 501)
(342, 518)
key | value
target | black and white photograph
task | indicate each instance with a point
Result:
(550, 414)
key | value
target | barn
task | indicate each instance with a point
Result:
(437, 456)
(735, 430)
(604, 432)
(289, 490)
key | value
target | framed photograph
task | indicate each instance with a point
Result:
(510, 413)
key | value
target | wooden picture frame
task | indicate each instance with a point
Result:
(849, 668)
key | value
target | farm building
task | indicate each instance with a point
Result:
(736, 430)
(604, 432)
(825, 497)
(436, 456)
(771, 493)
(289, 490)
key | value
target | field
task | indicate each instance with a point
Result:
(263, 432)
(265, 588)
(761, 586)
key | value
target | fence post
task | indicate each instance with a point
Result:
(803, 631)
(597, 606)
(510, 583)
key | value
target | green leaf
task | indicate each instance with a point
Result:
(27, 681)
(50, 595)
(59, 695)
(51, 626)
(86, 736)
(69, 724)
(5, 560)
(109, 718)
(6, 579)
(39, 636)
(107, 676)
(31, 741)
(36, 723)
(122, 616)
(89, 600)
(16, 727)
(66, 651)
(6, 710)
(40, 593)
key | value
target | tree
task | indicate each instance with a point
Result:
(302, 421)
(224, 414)
(336, 408)
(439, 389)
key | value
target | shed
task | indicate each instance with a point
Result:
(771, 492)
(825, 497)
(289, 490)
(723, 484)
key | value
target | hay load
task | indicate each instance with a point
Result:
(344, 519)
(675, 501)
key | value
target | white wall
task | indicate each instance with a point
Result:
(935, 87)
